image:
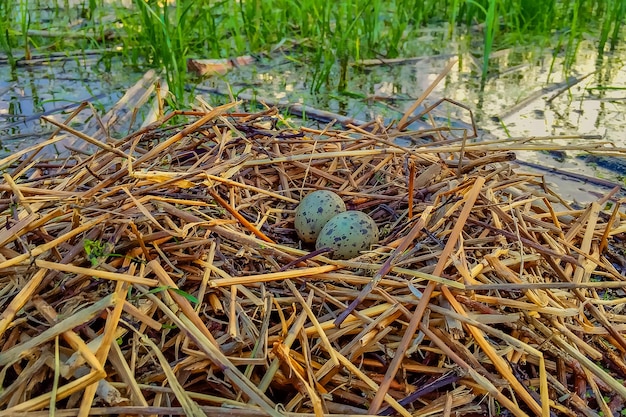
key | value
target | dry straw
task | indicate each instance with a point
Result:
(166, 267)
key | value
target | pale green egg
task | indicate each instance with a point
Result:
(314, 210)
(348, 234)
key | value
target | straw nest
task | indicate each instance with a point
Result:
(161, 274)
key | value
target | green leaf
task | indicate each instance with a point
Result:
(94, 249)
(188, 296)
(158, 289)
(178, 291)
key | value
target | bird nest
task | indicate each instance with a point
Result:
(161, 274)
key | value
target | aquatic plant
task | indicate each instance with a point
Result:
(165, 33)
(6, 37)
(326, 36)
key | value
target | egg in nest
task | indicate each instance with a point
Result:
(314, 211)
(348, 234)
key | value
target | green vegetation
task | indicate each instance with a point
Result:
(167, 32)
(192, 299)
(96, 250)
(325, 36)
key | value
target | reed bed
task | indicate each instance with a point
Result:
(160, 274)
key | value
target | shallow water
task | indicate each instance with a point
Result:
(54, 88)
(523, 96)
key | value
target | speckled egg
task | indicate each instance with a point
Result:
(314, 210)
(347, 234)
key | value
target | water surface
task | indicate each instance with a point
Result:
(526, 94)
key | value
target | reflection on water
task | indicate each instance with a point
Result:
(54, 88)
(526, 94)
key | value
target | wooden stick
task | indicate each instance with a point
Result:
(102, 353)
(63, 392)
(502, 367)
(53, 243)
(421, 307)
(115, 276)
(69, 336)
(546, 285)
(388, 265)
(480, 379)
(271, 276)
(78, 318)
(411, 187)
(157, 150)
(218, 357)
(239, 217)
(252, 188)
(20, 300)
(86, 138)
(182, 302)
(403, 121)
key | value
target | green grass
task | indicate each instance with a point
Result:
(326, 36)
(165, 31)
(7, 38)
